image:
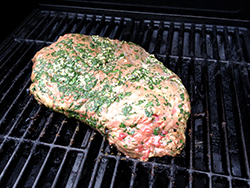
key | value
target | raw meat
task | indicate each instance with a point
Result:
(117, 88)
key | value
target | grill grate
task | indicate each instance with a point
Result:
(41, 148)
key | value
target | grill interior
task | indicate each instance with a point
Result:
(41, 148)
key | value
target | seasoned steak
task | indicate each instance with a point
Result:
(117, 88)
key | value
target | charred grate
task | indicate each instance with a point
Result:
(41, 148)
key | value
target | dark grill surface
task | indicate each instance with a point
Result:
(41, 148)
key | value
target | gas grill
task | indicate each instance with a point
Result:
(42, 148)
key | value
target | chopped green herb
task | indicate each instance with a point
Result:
(156, 131)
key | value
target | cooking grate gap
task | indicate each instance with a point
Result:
(21, 119)
(95, 169)
(66, 131)
(81, 141)
(142, 177)
(93, 151)
(7, 148)
(98, 26)
(88, 27)
(148, 36)
(57, 28)
(222, 121)
(123, 174)
(15, 164)
(181, 178)
(34, 25)
(220, 182)
(200, 144)
(103, 176)
(162, 177)
(118, 29)
(245, 43)
(47, 27)
(218, 156)
(232, 124)
(69, 170)
(200, 180)
(49, 169)
(11, 111)
(51, 127)
(240, 127)
(12, 65)
(240, 184)
(128, 30)
(37, 121)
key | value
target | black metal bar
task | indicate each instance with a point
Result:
(74, 175)
(26, 165)
(243, 142)
(87, 28)
(224, 128)
(59, 172)
(147, 36)
(203, 41)
(69, 26)
(106, 31)
(42, 168)
(86, 139)
(170, 38)
(98, 159)
(209, 152)
(96, 30)
(190, 130)
(40, 24)
(115, 171)
(5, 53)
(128, 30)
(20, 116)
(56, 29)
(21, 73)
(151, 179)
(50, 25)
(8, 165)
(82, 25)
(14, 101)
(172, 173)
(133, 174)
(117, 32)
(238, 45)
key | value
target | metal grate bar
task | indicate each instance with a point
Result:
(7, 167)
(209, 153)
(20, 116)
(11, 107)
(115, 171)
(241, 126)
(98, 159)
(59, 172)
(26, 165)
(74, 175)
(48, 27)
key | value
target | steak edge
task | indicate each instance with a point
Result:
(117, 88)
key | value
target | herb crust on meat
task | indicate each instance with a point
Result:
(117, 88)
